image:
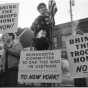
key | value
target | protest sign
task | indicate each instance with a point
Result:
(8, 17)
(40, 66)
(77, 48)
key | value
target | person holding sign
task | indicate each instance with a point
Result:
(2, 62)
(12, 57)
(41, 26)
(42, 21)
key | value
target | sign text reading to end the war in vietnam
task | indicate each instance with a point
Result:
(40, 66)
(77, 47)
(8, 17)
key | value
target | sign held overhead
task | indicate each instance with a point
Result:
(8, 17)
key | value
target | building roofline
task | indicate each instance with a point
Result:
(69, 23)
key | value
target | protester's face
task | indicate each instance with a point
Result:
(5, 37)
(42, 9)
(9, 39)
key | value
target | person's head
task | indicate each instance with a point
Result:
(42, 8)
(5, 37)
(11, 36)
(8, 38)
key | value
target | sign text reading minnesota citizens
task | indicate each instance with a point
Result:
(40, 66)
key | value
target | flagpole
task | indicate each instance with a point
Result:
(52, 8)
(51, 33)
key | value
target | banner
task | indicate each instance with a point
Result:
(52, 10)
(8, 17)
(77, 48)
(40, 66)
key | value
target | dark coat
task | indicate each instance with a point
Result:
(41, 23)
(41, 43)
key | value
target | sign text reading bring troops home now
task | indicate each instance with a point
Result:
(77, 47)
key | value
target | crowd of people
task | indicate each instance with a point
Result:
(41, 41)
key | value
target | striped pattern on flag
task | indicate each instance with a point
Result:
(52, 7)
(52, 10)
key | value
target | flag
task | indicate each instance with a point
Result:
(52, 10)
(52, 7)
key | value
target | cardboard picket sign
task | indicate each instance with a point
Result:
(8, 17)
(40, 66)
(77, 48)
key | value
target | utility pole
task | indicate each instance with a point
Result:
(71, 17)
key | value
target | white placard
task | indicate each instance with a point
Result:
(8, 17)
(40, 66)
(77, 48)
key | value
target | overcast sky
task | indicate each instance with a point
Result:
(28, 11)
